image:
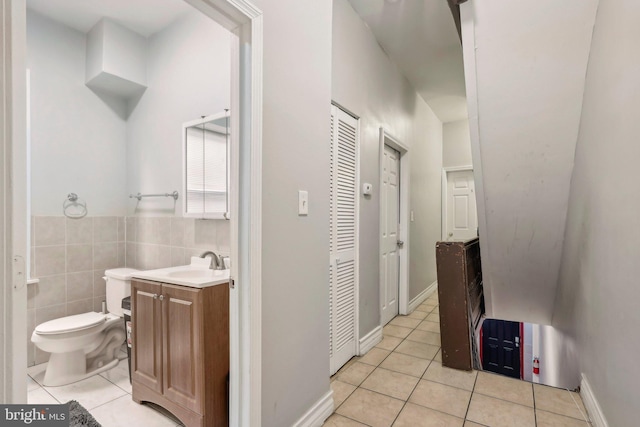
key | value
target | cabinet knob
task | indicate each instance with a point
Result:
(155, 296)
(161, 297)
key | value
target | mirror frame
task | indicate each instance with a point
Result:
(205, 215)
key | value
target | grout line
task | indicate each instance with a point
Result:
(535, 413)
(471, 397)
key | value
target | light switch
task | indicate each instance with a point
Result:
(303, 203)
(411, 216)
(367, 189)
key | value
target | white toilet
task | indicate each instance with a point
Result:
(89, 343)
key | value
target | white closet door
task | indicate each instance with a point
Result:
(343, 238)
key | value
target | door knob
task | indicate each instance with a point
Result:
(400, 243)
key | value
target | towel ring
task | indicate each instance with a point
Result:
(72, 201)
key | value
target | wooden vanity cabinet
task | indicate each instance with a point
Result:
(180, 351)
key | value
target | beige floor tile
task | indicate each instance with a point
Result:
(472, 424)
(425, 337)
(374, 409)
(405, 364)
(499, 413)
(429, 326)
(389, 343)
(375, 356)
(453, 401)
(405, 322)
(355, 374)
(390, 383)
(453, 377)
(433, 317)
(559, 401)
(425, 308)
(436, 310)
(420, 315)
(336, 420)
(438, 357)
(505, 388)
(419, 416)
(547, 419)
(396, 331)
(341, 391)
(125, 412)
(417, 349)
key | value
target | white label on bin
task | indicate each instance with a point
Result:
(129, 333)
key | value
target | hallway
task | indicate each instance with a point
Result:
(401, 382)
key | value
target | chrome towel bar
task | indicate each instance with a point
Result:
(139, 196)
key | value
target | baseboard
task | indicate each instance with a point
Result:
(422, 296)
(590, 402)
(318, 413)
(370, 340)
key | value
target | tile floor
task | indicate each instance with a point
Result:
(402, 383)
(106, 396)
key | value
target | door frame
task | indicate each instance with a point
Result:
(387, 138)
(444, 192)
(243, 19)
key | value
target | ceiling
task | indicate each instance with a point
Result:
(420, 36)
(146, 18)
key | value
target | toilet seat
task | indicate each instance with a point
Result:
(77, 322)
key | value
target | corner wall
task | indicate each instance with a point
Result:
(188, 76)
(598, 293)
(366, 82)
(456, 144)
(78, 143)
(295, 252)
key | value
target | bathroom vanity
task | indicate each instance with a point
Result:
(180, 335)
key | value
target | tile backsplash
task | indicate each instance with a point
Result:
(158, 242)
(69, 257)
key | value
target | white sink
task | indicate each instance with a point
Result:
(196, 275)
(190, 273)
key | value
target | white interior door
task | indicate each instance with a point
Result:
(462, 215)
(389, 240)
(343, 238)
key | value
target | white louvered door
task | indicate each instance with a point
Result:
(343, 238)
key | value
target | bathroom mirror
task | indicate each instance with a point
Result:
(206, 167)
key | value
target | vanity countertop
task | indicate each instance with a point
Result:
(195, 275)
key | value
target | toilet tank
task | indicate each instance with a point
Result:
(118, 287)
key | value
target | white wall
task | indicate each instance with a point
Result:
(456, 144)
(525, 71)
(295, 256)
(78, 142)
(597, 300)
(188, 76)
(366, 82)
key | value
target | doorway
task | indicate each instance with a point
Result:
(394, 220)
(501, 347)
(245, 22)
(459, 211)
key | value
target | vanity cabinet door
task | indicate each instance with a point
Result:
(146, 323)
(183, 338)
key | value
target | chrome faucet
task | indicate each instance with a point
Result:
(215, 259)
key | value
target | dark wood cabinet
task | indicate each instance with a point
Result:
(180, 351)
(461, 300)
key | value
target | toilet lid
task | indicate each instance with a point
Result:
(73, 323)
